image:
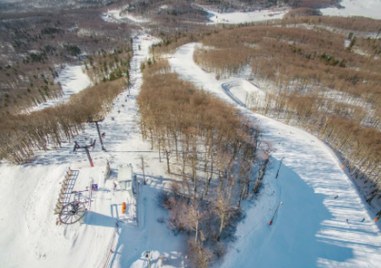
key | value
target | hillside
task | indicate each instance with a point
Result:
(25, 5)
(237, 133)
(319, 223)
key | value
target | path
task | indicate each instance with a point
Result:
(311, 229)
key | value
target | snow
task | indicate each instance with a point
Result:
(72, 79)
(365, 8)
(245, 17)
(104, 237)
(118, 16)
(323, 222)
(243, 92)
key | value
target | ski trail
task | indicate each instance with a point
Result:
(311, 228)
(31, 237)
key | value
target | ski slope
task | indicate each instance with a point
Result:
(30, 235)
(322, 221)
(364, 8)
(119, 16)
(72, 79)
(238, 17)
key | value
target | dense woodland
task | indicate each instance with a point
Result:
(34, 47)
(212, 151)
(105, 66)
(35, 44)
(21, 135)
(322, 74)
(228, 5)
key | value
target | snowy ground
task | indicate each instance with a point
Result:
(322, 221)
(365, 8)
(243, 92)
(116, 16)
(245, 17)
(31, 237)
(72, 80)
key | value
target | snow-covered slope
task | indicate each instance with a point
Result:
(365, 8)
(322, 221)
(30, 235)
(24, 4)
(118, 16)
(72, 80)
(244, 17)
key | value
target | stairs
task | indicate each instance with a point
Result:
(71, 176)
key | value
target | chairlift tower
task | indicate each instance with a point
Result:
(86, 147)
(98, 130)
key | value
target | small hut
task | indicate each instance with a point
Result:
(126, 178)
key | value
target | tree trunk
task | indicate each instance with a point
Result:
(196, 235)
(167, 153)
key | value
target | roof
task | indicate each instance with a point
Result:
(124, 173)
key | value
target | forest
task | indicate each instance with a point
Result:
(215, 155)
(319, 73)
(36, 45)
(215, 170)
(23, 134)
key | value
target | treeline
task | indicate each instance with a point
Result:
(22, 135)
(359, 144)
(173, 38)
(313, 4)
(208, 146)
(355, 24)
(35, 43)
(108, 66)
(232, 5)
(326, 82)
(25, 85)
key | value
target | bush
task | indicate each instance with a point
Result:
(198, 255)
(73, 50)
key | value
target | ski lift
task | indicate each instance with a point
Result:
(86, 147)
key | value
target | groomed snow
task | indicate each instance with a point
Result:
(72, 79)
(116, 16)
(322, 221)
(365, 8)
(310, 230)
(30, 236)
(243, 92)
(245, 17)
